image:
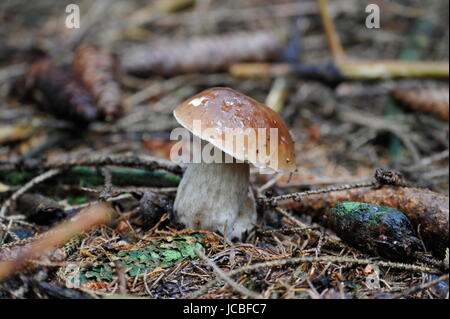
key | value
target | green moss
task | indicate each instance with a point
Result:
(16, 178)
(361, 211)
(165, 253)
(379, 230)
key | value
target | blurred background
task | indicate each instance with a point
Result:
(166, 40)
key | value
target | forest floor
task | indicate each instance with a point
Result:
(343, 132)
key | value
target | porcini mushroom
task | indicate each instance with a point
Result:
(216, 196)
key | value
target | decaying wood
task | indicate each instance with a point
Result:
(57, 92)
(201, 54)
(95, 68)
(374, 229)
(427, 210)
(429, 100)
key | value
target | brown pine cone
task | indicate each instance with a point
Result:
(95, 68)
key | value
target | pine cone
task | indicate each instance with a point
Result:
(57, 92)
(95, 69)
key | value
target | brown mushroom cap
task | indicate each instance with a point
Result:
(223, 108)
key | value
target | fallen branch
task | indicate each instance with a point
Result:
(377, 230)
(88, 176)
(201, 54)
(297, 197)
(345, 71)
(332, 36)
(146, 162)
(16, 172)
(372, 70)
(66, 161)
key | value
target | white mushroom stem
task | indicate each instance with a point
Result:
(216, 197)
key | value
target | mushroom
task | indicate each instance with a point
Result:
(216, 195)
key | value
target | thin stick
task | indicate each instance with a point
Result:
(321, 181)
(38, 179)
(382, 69)
(346, 70)
(290, 217)
(297, 196)
(150, 163)
(276, 97)
(333, 38)
(242, 290)
(109, 199)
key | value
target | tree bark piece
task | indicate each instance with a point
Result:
(201, 54)
(378, 230)
(428, 211)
